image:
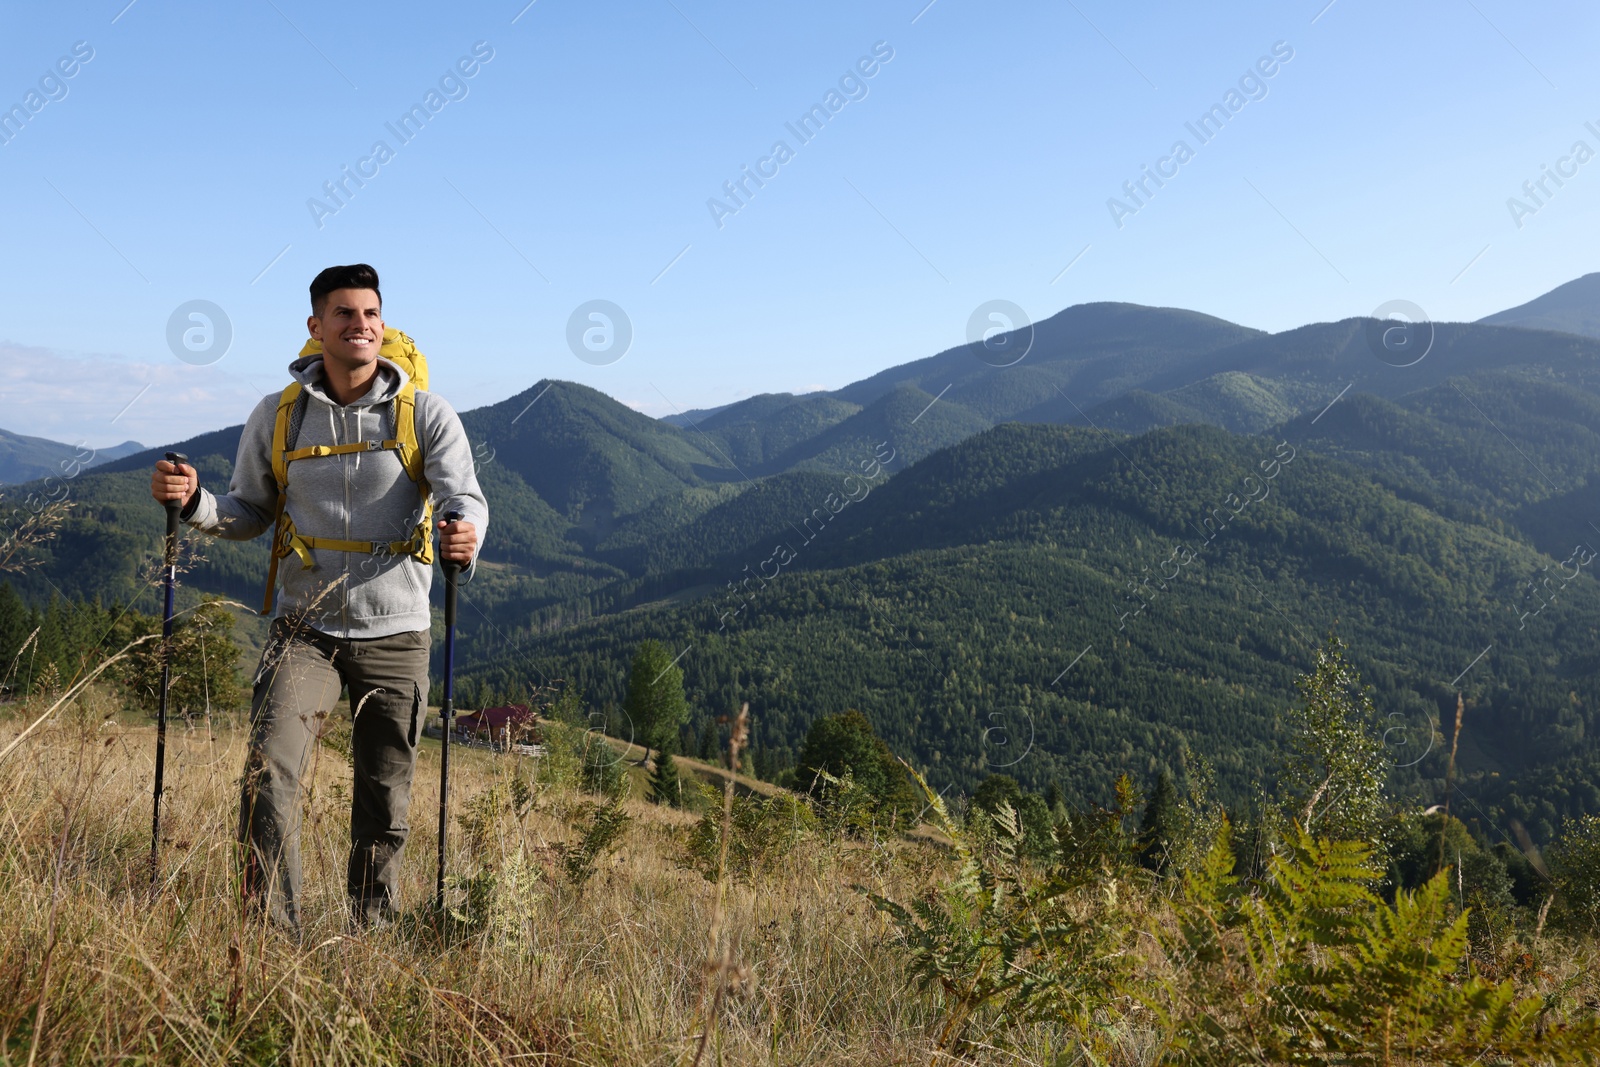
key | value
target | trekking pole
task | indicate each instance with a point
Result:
(170, 562)
(451, 570)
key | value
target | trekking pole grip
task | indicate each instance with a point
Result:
(177, 459)
(451, 567)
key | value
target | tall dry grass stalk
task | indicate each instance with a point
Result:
(720, 967)
(25, 532)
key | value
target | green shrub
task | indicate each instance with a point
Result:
(601, 831)
(1478, 879)
(600, 767)
(845, 747)
(574, 754)
(763, 831)
(1575, 866)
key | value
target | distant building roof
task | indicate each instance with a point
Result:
(495, 720)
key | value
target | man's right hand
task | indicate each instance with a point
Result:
(174, 481)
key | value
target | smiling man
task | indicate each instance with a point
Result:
(345, 467)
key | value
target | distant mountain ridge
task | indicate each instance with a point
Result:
(1570, 308)
(1137, 368)
(583, 484)
(23, 459)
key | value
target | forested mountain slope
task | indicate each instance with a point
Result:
(948, 603)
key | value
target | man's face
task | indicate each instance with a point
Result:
(350, 327)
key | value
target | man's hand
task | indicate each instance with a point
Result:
(174, 481)
(458, 541)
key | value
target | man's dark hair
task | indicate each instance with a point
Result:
(354, 276)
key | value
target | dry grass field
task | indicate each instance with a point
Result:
(530, 967)
(586, 929)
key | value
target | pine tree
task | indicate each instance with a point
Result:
(1159, 825)
(655, 703)
(997, 791)
(1055, 801)
(665, 786)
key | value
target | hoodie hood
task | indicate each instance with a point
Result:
(308, 371)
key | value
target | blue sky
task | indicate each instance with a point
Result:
(576, 164)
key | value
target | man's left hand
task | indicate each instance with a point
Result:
(458, 541)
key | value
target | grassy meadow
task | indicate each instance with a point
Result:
(530, 969)
(585, 925)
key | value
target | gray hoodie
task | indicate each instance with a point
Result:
(360, 496)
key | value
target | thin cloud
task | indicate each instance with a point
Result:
(103, 400)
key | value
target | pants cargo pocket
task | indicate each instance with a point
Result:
(416, 713)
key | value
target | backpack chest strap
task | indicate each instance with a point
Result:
(314, 451)
(419, 545)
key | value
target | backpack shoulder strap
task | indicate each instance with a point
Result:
(405, 432)
(410, 447)
(288, 405)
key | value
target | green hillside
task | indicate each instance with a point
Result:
(112, 535)
(1099, 350)
(1339, 353)
(587, 456)
(913, 422)
(1242, 402)
(1491, 449)
(947, 623)
(754, 433)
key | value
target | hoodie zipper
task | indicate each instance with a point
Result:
(339, 431)
(354, 461)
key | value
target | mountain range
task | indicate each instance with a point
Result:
(26, 459)
(1112, 555)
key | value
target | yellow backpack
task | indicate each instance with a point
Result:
(285, 538)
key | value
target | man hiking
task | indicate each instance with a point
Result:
(347, 468)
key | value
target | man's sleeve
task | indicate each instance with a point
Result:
(448, 466)
(251, 503)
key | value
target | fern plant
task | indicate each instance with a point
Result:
(601, 832)
(1008, 941)
(1315, 968)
